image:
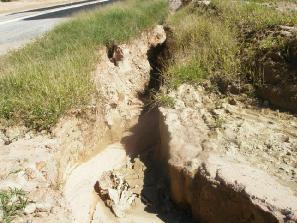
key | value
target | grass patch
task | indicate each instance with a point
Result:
(208, 40)
(202, 46)
(12, 203)
(163, 99)
(271, 42)
(42, 81)
(253, 15)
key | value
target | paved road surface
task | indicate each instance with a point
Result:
(17, 29)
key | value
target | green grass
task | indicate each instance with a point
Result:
(12, 203)
(271, 42)
(253, 15)
(207, 42)
(163, 99)
(42, 81)
(203, 45)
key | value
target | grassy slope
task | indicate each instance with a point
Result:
(208, 40)
(41, 82)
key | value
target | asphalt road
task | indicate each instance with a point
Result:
(17, 29)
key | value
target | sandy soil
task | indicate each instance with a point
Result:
(259, 135)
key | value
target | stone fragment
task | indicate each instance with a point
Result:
(30, 208)
(116, 193)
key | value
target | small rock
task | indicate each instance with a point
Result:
(115, 192)
(175, 4)
(232, 101)
(30, 208)
(287, 139)
(218, 112)
(7, 142)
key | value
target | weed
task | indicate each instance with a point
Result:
(186, 72)
(162, 99)
(14, 172)
(12, 203)
(219, 122)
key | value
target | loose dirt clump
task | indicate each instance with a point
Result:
(119, 188)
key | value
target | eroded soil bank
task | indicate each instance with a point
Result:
(223, 161)
(209, 158)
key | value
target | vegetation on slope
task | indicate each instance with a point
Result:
(209, 40)
(42, 81)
